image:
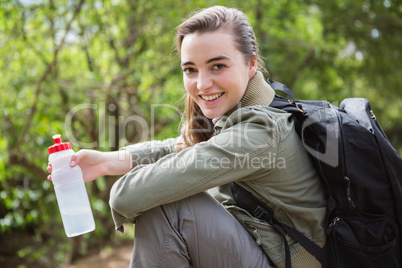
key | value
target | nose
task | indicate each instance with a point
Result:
(204, 81)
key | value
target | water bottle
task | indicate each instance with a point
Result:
(70, 190)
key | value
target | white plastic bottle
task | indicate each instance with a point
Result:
(70, 190)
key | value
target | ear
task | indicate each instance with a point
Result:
(253, 66)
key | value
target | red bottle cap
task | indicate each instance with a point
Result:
(58, 145)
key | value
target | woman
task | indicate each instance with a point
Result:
(177, 191)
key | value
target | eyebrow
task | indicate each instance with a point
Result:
(218, 58)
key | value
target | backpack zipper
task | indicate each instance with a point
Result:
(351, 203)
(374, 119)
(332, 224)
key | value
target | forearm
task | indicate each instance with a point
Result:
(149, 152)
(117, 163)
(122, 161)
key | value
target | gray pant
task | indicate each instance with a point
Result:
(194, 232)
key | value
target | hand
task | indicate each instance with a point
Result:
(95, 164)
(91, 162)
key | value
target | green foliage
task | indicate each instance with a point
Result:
(105, 74)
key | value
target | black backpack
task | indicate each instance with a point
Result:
(362, 176)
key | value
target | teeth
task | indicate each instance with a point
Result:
(212, 97)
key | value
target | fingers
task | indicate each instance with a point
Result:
(74, 160)
(49, 168)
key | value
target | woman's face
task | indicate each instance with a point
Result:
(215, 73)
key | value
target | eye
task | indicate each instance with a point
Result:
(217, 67)
(189, 70)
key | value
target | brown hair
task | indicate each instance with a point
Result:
(195, 127)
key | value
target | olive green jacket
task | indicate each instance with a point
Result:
(256, 146)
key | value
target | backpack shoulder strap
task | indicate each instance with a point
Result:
(279, 102)
(281, 87)
(262, 211)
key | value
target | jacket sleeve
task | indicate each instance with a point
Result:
(151, 151)
(237, 152)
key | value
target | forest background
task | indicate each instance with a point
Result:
(104, 74)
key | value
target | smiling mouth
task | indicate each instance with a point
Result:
(212, 97)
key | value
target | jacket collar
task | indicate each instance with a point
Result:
(258, 92)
